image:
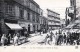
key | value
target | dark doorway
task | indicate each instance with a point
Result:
(29, 28)
(34, 28)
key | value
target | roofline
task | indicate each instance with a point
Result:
(35, 3)
(52, 11)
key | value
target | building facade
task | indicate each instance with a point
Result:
(31, 16)
(63, 23)
(74, 13)
(24, 13)
(53, 19)
(43, 21)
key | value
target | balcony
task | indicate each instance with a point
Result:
(71, 12)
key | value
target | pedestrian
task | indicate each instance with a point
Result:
(51, 36)
(64, 37)
(9, 38)
(15, 39)
(56, 37)
(59, 41)
(25, 34)
(54, 40)
(3, 40)
(46, 39)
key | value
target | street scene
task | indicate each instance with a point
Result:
(25, 22)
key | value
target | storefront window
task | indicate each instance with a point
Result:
(9, 9)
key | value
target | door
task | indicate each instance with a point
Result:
(29, 28)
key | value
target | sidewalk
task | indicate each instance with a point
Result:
(35, 34)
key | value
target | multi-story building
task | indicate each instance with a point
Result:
(74, 13)
(15, 14)
(9, 16)
(53, 19)
(43, 21)
(31, 16)
(74, 9)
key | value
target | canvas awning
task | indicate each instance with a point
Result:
(14, 26)
(70, 25)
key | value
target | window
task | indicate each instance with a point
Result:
(37, 18)
(28, 16)
(33, 17)
(9, 9)
(36, 9)
(21, 13)
(27, 3)
(72, 2)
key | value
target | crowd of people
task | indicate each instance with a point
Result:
(5, 39)
(60, 38)
(57, 38)
(12, 38)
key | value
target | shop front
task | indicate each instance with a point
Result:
(10, 27)
(13, 28)
(28, 26)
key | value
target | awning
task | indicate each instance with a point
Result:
(77, 21)
(14, 26)
(70, 25)
(73, 30)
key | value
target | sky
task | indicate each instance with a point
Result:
(58, 6)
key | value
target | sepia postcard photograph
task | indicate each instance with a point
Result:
(39, 25)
